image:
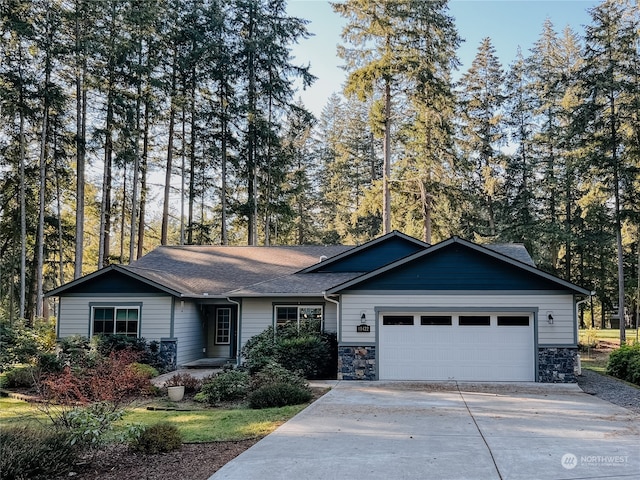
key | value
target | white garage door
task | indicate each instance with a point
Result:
(469, 346)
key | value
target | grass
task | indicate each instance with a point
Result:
(13, 412)
(196, 426)
(595, 359)
(217, 425)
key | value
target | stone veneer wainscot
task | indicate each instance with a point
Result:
(557, 364)
(357, 363)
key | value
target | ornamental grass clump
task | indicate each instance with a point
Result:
(30, 452)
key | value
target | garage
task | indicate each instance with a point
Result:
(465, 346)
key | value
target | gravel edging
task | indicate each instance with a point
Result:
(610, 389)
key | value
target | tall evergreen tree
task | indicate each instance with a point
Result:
(483, 133)
(609, 91)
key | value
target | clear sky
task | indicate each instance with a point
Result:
(509, 24)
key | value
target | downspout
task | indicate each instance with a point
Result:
(338, 324)
(578, 362)
(239, 329)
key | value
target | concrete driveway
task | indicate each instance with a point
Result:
(384, 430)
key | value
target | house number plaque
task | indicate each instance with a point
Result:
(363, 328)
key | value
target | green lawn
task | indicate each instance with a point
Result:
(217, 424)
(595, 359)
(198, 426)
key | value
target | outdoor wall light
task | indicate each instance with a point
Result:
(550, 319)
(363, 318)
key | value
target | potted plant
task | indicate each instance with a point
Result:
(175, 388)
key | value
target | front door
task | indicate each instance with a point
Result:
(222, 335)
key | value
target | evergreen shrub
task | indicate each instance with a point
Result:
(225, 387)
(624, 363)
(158, 438)
(278, 395)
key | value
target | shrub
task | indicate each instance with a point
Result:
(308, 353)
(21, 343)
(105, 345)
(20, 377)
(588, 338)
(274, 373)
(260, 350)
(191, 383)
(225, 387)
(87, 427)
(27, 452)
(112, 379)
(144, 370)
(306, 349)
(159, 438)
(624, 363)
(49, 363)
(76, 352)
(278, 395)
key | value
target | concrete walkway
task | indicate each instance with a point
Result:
(386, 430)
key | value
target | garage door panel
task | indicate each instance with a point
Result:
(455, 352)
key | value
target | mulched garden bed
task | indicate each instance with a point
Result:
(194, 461)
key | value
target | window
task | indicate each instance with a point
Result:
(513, 321)
(435, 320)
(397, 320)
(474, 320)
(223, 326)
(116, 320)
(301, 315)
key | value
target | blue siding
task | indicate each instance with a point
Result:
(457, 267)
(373, 257)
(112, 282)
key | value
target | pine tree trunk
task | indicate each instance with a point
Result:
(81, 128)
(169, 165)
(192, 160)
(143, 182)
(42, 191)
(386, 191)
(136, 167)
(223, 187)
(105, 204)
(23, 217)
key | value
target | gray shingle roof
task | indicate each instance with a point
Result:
(224, 271)
(517, 251)
(219, 270)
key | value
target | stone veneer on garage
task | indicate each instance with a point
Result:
(357, 363)
(557, 364)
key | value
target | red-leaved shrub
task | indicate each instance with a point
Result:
(113, 379)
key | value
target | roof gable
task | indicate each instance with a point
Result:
(371, 255)
(456, 264)
(114, 279)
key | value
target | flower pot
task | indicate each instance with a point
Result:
(176, 393)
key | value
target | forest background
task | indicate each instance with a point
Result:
(128, 124)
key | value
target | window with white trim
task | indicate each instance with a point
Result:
(301, 315)
(116, 321)
(223, 326)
